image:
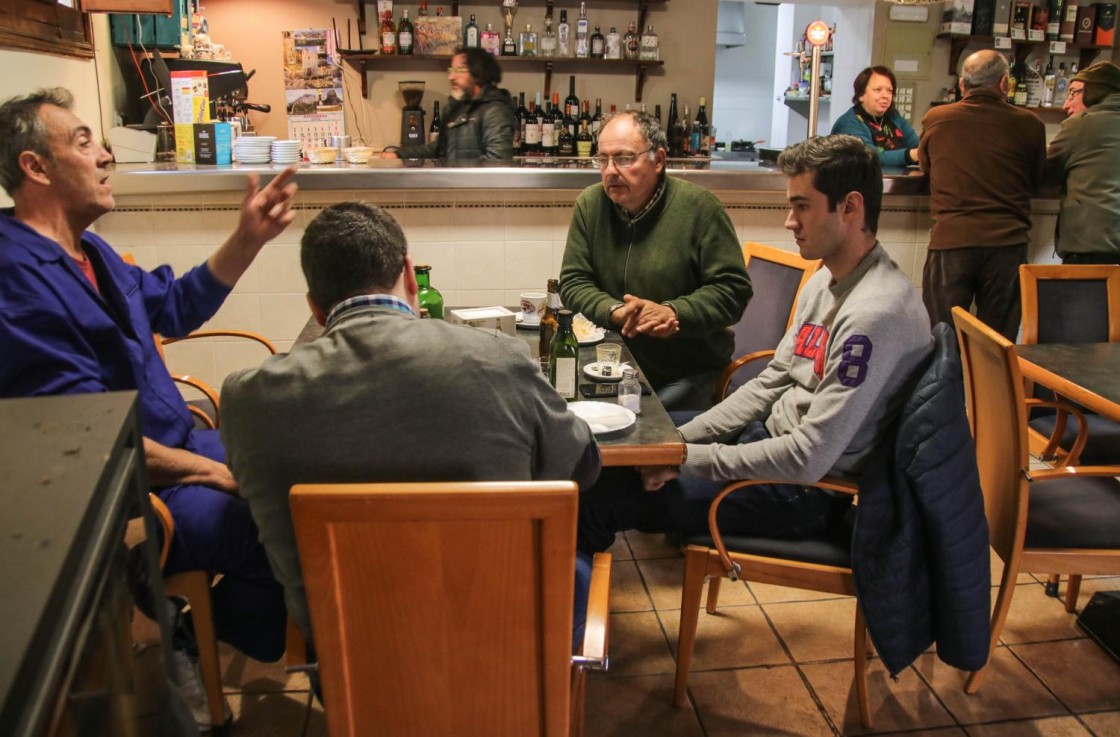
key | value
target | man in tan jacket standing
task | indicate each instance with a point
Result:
(984, 159)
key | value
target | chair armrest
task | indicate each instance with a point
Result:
(207, 391)
(1049, 453)
(732, 568)
(734, 366)
(593, 653)
(163, 514)
(225, 334)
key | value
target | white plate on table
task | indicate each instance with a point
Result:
(593, 335)
(603, 417)
(594, 371)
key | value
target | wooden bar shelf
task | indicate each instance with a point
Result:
(1021, 48)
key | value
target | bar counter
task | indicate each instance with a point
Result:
(390, 174)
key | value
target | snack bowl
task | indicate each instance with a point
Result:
(322, 155)
(358, 154)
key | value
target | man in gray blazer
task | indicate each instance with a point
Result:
(384, 396)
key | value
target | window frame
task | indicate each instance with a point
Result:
(47, 27)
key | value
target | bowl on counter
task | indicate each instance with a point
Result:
(358, 154)
(322, 155)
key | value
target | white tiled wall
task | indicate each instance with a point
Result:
(485, 247)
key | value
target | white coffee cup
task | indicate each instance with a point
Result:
(532, 306)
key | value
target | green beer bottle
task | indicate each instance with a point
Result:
(428, 296)
(563, 362)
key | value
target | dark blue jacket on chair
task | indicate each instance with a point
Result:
(920, 553)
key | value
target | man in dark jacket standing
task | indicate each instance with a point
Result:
(479, 119)
(984, 159)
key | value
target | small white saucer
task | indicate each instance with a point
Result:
(522, 323)
(594, 371)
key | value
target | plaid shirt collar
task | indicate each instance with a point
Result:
(368, 300)
(657, 193)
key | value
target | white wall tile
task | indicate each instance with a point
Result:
(179, 227)
(531, 224)
(898, 226)
(479, 265)
(278, 269)
(442, 257)
(283, 315)
(528, 264)
(181, 258)
(238, 312)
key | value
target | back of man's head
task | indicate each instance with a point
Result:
(983, 69)
(839, 164)
(21, 129)
(349, 249)
(482, 65)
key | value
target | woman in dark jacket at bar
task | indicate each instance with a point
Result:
(874, 119)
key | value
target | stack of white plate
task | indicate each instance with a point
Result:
(286, 152)
(253, 149)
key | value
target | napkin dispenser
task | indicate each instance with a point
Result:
(490, 319)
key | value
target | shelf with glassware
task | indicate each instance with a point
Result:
(798, 92)
(364, 61)
(1022, 48)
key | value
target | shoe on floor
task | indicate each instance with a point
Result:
(184, 673)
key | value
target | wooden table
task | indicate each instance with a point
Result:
(652, 441)
(1089, 374)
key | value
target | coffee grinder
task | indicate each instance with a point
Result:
(413, 132)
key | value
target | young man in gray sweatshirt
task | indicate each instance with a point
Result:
(822, 403)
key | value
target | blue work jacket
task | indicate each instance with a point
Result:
(58, 335)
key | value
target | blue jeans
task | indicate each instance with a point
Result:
(617, 502)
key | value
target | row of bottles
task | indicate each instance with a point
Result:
(1029, 86)
(558, 42)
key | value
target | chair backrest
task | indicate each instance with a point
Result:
(1070, 303)
(997, 416)
(777, 277)
(441, 608)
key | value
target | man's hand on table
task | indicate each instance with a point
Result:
(639, 316)
(654, 477)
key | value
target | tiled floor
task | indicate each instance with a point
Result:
(777, 661)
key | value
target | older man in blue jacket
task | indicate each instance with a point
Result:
(74, 318)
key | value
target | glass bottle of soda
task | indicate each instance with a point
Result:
(428, 296)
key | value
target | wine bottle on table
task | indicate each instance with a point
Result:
(563, 361)
(427, 295)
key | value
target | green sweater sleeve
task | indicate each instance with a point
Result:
(579, 286)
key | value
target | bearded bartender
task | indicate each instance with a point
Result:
(479, 121)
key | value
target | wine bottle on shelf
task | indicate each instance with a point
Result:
(558, 120)
(423, 11)
(522, 115)
(686, 133)
(571, 102)
(565, 142)
(563, 361)
(631, 45)
(596, 125)
(657, 112)
(532, 140)
(583, 139)
(1049, 82)
(583, 33)
(548, 131)
(427, 295)
(548, 319)
(1061, 86)
(388, 34)
(404, 35)
(598, 44)
(672, 128)
(705, 148)
(563, 36)
(471, 36)
(433, 129)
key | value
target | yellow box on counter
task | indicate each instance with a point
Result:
(491, 319)
(184, 143)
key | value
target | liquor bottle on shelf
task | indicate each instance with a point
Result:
(1021, 85)
(585, 114)
(613, 48)
(548, 39)
(559, 120)
(1061, 86)
(433, 129)
(471, 35)
(571, 102)
(649, 45)
(672, 128)
(630, 42)
(1049, 82)
(598, 44)
(686, 133)
(1012, 82)
(404, 35)
(583, 33)
(527, 43)
(563, 36)
(596, 125)
(565, 142)
(388, 34)
(439, 11)
(657, 112)
(522, 115)
(491, 41)
(1034, 85)
(427, 295)
(705, 148)
(509, 46)
(583, 139)
(548, 131)
(423, 8)
(563, 357)
(532, 139)
(548, 319)
(1054, 22)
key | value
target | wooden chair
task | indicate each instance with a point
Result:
(194, 586)
(1063, 519)
(446, 608)
(777, 277)
(206, 409)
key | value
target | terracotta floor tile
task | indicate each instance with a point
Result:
(1082, 675)
(1009, 691)
(756, 701)
(1091, 585)
(733, 637)
(242, 673)
(269, 714)
(770, 594)
(637, 645)
(651, 545)
(628, 707)
(1106, 724)
(620, 550)
(1053, 727)
(663, 579)
(816, 630)
(731, 593)
(943, 732)
(628, 593)
(1036, 617)
(907, 704)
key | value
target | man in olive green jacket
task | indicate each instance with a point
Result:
(657, 259)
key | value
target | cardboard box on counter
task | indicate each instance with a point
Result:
(485, 318)
(213, 143)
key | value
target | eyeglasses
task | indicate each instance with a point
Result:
(457, 70)
(1075, 92)
(621, 161)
